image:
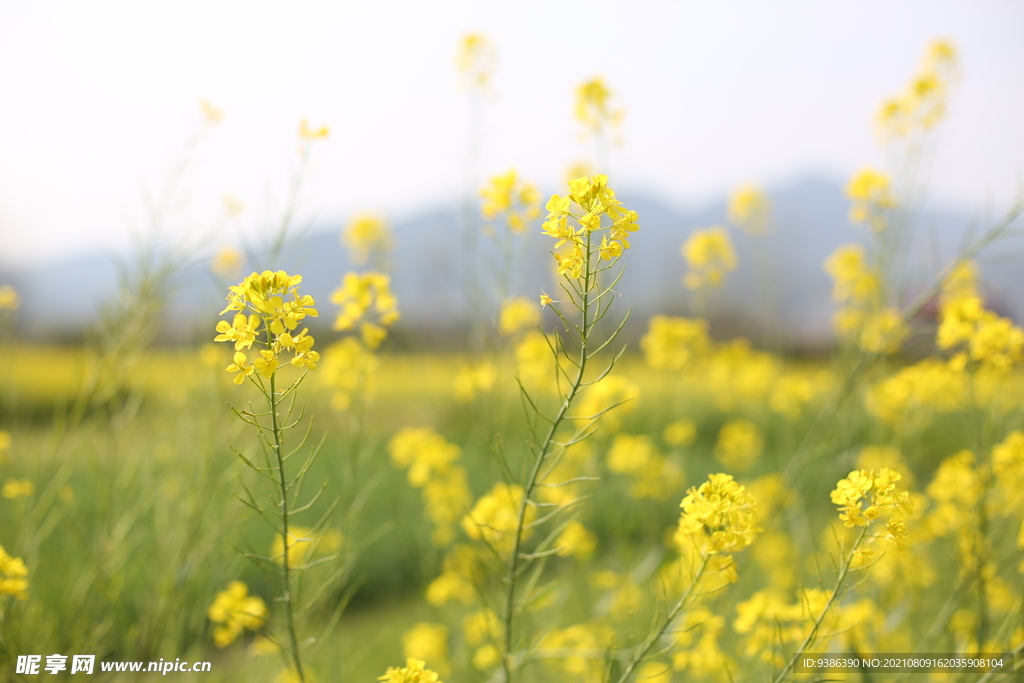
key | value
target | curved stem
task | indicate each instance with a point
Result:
(813, 633)
(542, 453)
(646, 646)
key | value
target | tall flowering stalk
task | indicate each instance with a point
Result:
(268, 310)
(718, 518)
(576, 221)
(871, 501)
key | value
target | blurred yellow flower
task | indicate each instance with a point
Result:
(12, 576)
(234, 610)
(869, 191)
(594, 107)
(750, 208)
(517, 314)
(9, 299)
(300, 546)
(710, 255)
(682, 432)
(739, 444)
(427, 641)
(308, 133)
(366, 234)
(212, 114)
(227, 263)
(18, 488)
(414, 671)
(475, 61)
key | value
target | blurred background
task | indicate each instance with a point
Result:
(101, 118)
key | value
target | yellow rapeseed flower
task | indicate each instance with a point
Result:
(594, 107)
(306, 132)
(719, 516)
(227, 262)
(12, 576)
(869, 191)
(234, 610)
(18, 488)
(517, 314)
(428, 641)
(476, 60)
(710, 255)
(365, 234)
(750, 208)
(414, 671)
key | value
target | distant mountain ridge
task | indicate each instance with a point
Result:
(430, 274)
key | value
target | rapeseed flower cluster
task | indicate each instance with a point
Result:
(275, 308)
(414, 671)
(234, 610)
(710, 255)
(978, 337)
(594, 108)
(475, 61)
(588, 203)
(515, 200)
(750, 208)
(862, 316)
(868, 495)
(922, 103)
(872, 198)
(12, 576)
(432, 464)
(719, 516)
(495, 515)
(366, 302)
(365, 235)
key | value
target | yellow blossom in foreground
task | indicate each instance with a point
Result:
(268, 308)
(365, 234)
(234, 610)
(428, 642)
(18, 488)
(9, 299)
(865, 495)
(750, 208)
(710, 255)
(414, 671)
(719, 516)
(12, 575)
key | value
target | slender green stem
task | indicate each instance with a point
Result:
(542, 453)
(286, 594)
(655, 635)
(813, 633)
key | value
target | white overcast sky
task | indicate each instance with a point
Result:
(98, 96)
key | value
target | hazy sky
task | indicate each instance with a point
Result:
(99, 97)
